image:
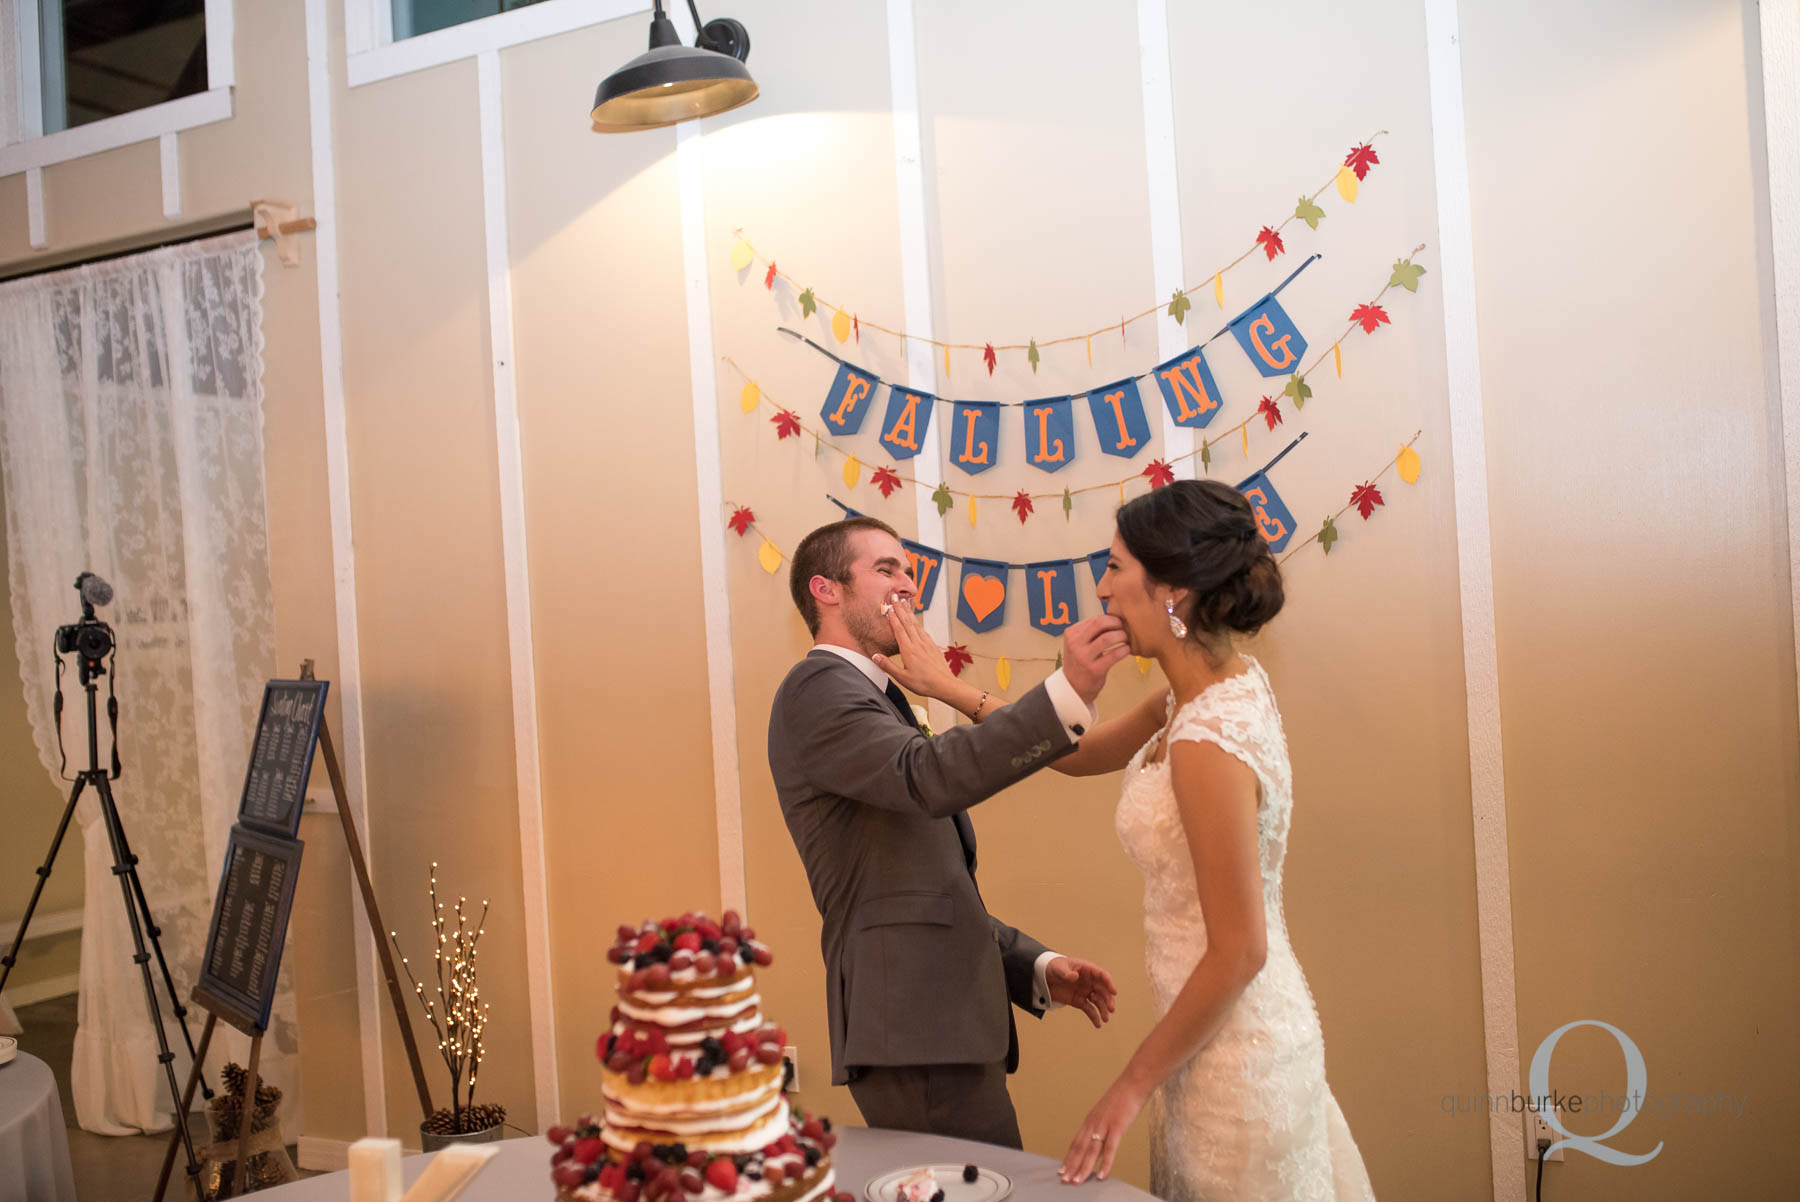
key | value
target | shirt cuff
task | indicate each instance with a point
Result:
(1076, 715)
(1040, 988)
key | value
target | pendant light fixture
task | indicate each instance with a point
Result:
(671, 82)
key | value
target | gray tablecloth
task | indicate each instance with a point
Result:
(34, 1147)
(521, 1171)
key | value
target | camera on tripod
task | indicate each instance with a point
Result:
(90, 638)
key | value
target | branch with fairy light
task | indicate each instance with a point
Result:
(459, 1016)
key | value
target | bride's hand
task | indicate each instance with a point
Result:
(922, 667)
(1095, 1146)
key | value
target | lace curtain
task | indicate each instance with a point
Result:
(131, 446)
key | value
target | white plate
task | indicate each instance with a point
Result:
(990, 1186)
(8, 1048)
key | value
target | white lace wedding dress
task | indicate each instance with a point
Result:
(1250, 1117)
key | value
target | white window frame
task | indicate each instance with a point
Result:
(374, 55)
(25, 147)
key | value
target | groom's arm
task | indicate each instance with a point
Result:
(1023, 958)
(848, 741)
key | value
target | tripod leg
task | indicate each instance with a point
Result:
(187, 1100)
(162, 962)
(43, 875)
(121, 871)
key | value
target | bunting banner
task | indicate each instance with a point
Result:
(1119, 421)
(1269, 337)
(908, 417)
(981, 601)
(975, 438)
(1188, 389)
(847, 402)
(1052, 595)
(1273, 520)
(927, 565)
(1050, 433)
(1097, 563)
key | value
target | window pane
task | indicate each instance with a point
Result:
(413, 17)
(105, 57)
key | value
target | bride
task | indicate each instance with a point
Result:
(1233, 1072)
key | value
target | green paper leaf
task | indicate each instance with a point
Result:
(1059, 659)
(1299, 389)
(1068, 504)
(1206, 456)
(1328, 534)
(808, 306)
(1179, 304)
(1406, 275)
(1309, 212)
(943, 499)
(1031, 356)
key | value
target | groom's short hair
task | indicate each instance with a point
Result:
(825, 552)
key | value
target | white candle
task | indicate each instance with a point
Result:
(375, 1170)
(450, 1172)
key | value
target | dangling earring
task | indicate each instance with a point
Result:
(1177, 627)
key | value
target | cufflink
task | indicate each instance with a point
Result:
(1079, 730)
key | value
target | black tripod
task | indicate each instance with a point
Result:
(91, 641)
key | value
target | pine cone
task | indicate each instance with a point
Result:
(441, 1122)
(234, 1076)
(481, 1116)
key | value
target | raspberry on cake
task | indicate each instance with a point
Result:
(691, 1081)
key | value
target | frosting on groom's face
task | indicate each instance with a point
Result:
(880, 575)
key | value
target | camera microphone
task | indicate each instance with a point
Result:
(94, 590)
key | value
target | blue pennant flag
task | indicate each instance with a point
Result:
(908, 417)
(1188, 388)
(981, 601)
(1269, 337)
(1119, 422)
(975, 436)
(927, 564)
(849, 400)
(1050, 433)
(1273, 520)
(1097, 563)
(1050, 595)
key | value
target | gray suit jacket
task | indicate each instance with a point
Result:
(916, 970)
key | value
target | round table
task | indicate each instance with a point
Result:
(34, 1146)
(520, 1172)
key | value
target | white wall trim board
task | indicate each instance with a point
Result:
(42, 991)
(515, 552)
(110, 133)
(370, 61)
(35, 233)
(57, 922)
(1475, 569)
(348, 685)
(1165, 207)
(170, 150)
(221, 46)
(1780, 37)
(915, 278)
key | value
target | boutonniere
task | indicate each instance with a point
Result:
(920, 716)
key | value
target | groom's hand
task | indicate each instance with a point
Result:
(1090, 649)
(1083, 984)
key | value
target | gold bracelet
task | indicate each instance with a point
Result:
(976, 716)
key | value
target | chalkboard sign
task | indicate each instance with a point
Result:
(287, 731)
(249, 925)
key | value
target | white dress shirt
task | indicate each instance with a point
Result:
(1076, 716)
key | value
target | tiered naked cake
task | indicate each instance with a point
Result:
(693, 1082)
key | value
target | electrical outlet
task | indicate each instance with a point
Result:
(1536, 1128)
(791, 1054)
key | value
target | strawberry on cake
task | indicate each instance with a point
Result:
(692, 1077)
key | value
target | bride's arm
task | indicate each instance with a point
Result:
(1216, 795)
(1109, 746)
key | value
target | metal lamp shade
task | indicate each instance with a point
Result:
(669, 84)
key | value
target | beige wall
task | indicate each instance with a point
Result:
(1631, 884)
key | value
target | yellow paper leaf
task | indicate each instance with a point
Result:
(1346, 184)
(769, 557)
(852, 471)
(1219, 288)
(1245, 431)
(741, 255)
(1090, 351)
(971, 512)
(750, 397)
(1337, 359)
(1003, 672)
(1407, 464)
(1143, 665)
(840, 326)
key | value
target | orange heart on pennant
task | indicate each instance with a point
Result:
(984, 595)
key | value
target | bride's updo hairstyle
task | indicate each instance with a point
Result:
(1201, 535)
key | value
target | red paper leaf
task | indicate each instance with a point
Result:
(787, 423)
(1271, 411)
(958, 657)
(741, 519)
(856, 326)
(1021, 505)
(1370, 316)
(987, 357)
(885, 480)
(1366, 497)
(1159, 473)
(1270, 241)
(1361, 158)
(769, 280)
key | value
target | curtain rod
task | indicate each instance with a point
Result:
(134, 244)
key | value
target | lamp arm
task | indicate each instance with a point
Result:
(700, 39)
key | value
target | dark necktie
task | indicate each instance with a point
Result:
(900, 703)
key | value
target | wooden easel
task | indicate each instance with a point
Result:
(245, 1119)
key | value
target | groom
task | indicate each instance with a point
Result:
(918, 974)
